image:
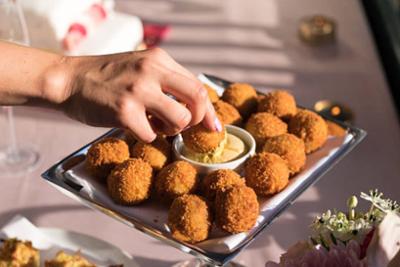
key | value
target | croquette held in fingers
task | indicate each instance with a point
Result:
(189, 219)
(174, 180)
(290, 148)
(242, 96)
(104, 155)
(156, 153)
(130, 182)
(202, 140)
(311, 128)
(227, 113)
(264, 125)
(236, 209)
(266, 173)
(279, 103)
(219, 180)
(212, 94)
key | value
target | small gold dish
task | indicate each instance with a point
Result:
(334, 110)
(317, 30)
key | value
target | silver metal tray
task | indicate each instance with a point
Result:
(58, 176)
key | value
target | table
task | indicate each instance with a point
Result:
(250, 41)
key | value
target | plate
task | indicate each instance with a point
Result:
(70, 177)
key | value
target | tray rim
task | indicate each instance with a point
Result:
(55, 176)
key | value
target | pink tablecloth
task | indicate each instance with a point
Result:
(250, 41)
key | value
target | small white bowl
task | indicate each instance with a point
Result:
(236, 164)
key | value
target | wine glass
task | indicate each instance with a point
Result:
(14, 158)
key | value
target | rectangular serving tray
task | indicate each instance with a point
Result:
(58, 177)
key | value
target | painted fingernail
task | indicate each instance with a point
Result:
(218, 125)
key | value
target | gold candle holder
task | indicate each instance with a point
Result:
(317, 30)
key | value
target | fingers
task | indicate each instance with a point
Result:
(174, 116)
(211, 120)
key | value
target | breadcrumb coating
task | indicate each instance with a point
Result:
(212, 94)
(266, 173)
(202, 140)
(242, 96)
(219, 180)
(311, 128)
(279, 103)
(104, 155)
(130, 182)
(264, 125)
(236, 209)
(290, 148)
(189, 219)
(227, 113)
(17, 253)
(334, 129)
(174, 180)
(156, 153)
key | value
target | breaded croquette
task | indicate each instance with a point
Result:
(236, 209)
(310, 127)
(156, 153)
(334, 129)
(202, 140)
(212, 94)
(63, 259)
(17, 253)
(242, 96)
(219, 180)
(279, 103)
(227, 113)
(189, 219)
(130, 182)
(266, 173)
(290, 148)
(264, 125)
(104, 155)
(174, 180)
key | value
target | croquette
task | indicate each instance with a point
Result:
(236, 209)
(104, 155)
(279, 103)
(264, 125)
(156, 153)
(212, 94)
(174, 180)
(242, 96)
(311, 128)
(335, 130)
(130, 182)
(227, 113)
(219, 180)
(266, 173)
(190, 218)
(202, 140)
(63, 259)
(290, 148)
(19, 253)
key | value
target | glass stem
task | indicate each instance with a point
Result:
(13, 147)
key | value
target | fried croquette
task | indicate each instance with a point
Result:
(334, 129)
(63, 259)
(212, 94)
(174, 180)
(290, 148)
(266, 173)
(219, 180)
(156, 153)
(227, 113)
(17, 253)
(104, 155)
(311, 128)
(236, 209)
(264, 125)
(242, 96)
(130, 182)
(279, 103)
(201, 140)
(189, 219)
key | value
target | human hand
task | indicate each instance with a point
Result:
(122, 90)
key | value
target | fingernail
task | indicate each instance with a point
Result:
(218, 125)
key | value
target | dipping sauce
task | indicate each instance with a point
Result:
(231, 148)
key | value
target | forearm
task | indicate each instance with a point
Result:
(31, 76)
